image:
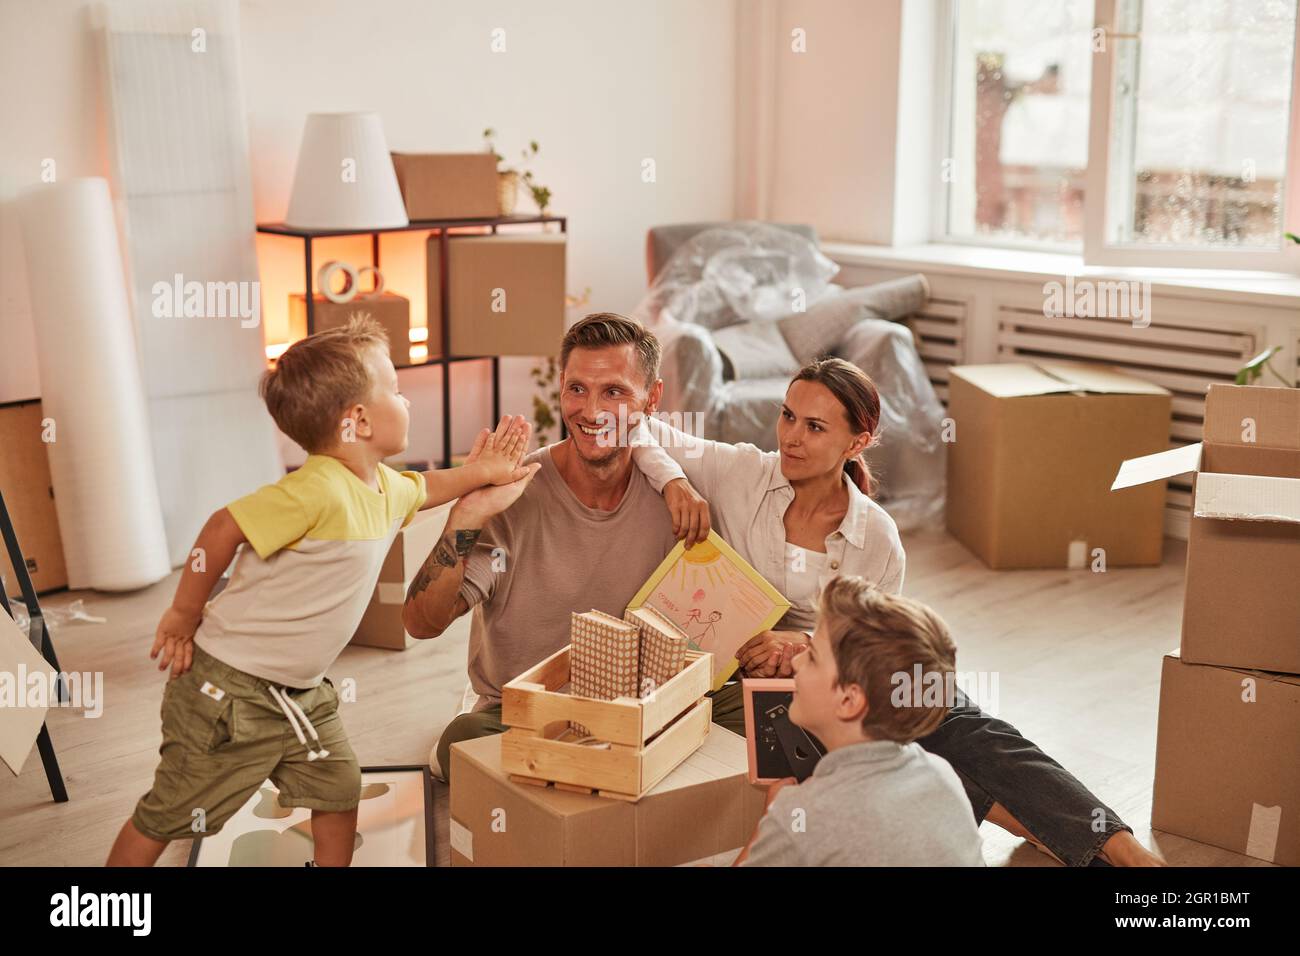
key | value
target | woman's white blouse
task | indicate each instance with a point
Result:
(804, 573)
(748, 497)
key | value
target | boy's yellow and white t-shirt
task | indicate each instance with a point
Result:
(298, 590)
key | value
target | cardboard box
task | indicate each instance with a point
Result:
(390, 310)
(1242, 603)
(703, 809)
(529, 272)
(381, 626)
(29, 496)
(1227, 771)
(448, 185)
(1030, 469)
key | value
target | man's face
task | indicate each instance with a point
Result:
(594, 385)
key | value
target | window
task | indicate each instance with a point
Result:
(1140, 132)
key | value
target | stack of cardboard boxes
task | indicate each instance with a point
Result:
(1228, 740)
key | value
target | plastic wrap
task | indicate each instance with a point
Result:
(750, 272)
(55, 617)
(907, 457)
(734, 273)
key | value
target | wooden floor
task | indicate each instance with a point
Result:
(1077, 656)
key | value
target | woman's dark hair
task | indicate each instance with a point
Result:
(857, 393)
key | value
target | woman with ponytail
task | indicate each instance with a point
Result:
(802, 515)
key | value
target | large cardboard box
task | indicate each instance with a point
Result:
(390, 310)
(448, 185)
(703, 811)
(506, 294)
(29, 496)
(1030, 468)
(1228, 759)
(1242, 603)
(382, 624)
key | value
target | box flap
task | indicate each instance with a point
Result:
(1175, 656)
(1157, 467)
(1247, 497)
(1103, 379)
(1252, 415)
(1019, 379)
(1010, 379)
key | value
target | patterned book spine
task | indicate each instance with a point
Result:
(663, 650)
(603, 660)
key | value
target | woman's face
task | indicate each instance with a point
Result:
(813, 432)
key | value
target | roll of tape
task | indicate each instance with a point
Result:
(325, 277)
(378, 290)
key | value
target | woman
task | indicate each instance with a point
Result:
(803, 514)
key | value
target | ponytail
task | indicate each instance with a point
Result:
(859, 473)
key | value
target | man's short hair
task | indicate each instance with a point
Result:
(318, 378)
(608, 330)
(876, 635)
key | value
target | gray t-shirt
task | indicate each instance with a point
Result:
(871, 804)
(556, 556)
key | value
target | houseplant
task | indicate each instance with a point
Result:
(510, 178)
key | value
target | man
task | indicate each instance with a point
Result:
(585, 530)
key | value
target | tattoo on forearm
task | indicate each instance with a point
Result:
(451, 547)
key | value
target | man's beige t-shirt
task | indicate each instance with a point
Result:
(547, 556)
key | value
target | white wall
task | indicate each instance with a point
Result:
(601, 84)
(832, 122)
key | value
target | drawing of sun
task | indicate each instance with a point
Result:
(705, 552)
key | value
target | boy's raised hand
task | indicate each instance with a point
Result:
(175, 639)
(498, 453)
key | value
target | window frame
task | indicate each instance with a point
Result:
(1094, 249)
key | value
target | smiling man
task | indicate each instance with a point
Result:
(585, 532)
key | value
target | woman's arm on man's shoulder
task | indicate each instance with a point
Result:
(664, 453)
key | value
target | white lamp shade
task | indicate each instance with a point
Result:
(345, 177)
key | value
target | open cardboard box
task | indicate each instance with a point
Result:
(1242, 606)
(1035, 449)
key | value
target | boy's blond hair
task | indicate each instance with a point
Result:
(318, 378)
(875, 636)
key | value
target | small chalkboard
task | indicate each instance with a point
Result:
(777, 747)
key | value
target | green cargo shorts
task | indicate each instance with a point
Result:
(224, 734)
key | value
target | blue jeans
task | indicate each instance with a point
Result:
(997, 764)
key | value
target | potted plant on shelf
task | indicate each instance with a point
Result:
(508, 179)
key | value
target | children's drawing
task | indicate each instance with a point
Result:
(712, 594)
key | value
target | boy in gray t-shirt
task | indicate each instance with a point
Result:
(877, 676)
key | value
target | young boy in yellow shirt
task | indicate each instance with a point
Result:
(248, 698)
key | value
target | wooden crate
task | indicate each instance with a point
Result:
(641, 740)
